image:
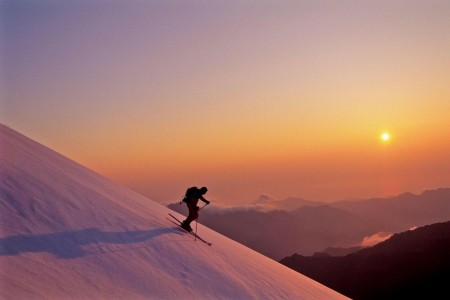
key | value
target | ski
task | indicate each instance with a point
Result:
(193, 233)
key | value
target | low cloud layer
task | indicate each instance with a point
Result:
(376, 238)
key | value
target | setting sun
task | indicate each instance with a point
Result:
(385, 136)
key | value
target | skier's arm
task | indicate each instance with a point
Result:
(204, 200)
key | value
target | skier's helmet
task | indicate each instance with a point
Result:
(203, 190)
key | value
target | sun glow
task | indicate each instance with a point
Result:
(385, 136)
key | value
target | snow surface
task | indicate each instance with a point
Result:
(69, 233)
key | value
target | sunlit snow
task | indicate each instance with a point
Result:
(69, 233)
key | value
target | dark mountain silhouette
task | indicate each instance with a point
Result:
(413, 264)
(337, 251)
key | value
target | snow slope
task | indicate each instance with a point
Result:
(69, 233)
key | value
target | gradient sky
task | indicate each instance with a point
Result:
(286, 98)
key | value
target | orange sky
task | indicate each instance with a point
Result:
(245, 98)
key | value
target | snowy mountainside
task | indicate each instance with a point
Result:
(69, 233)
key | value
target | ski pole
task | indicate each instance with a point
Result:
(203, 206)
(195, 237)
(196, 221)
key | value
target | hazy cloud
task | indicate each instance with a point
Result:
(217, 208)
(376, 238)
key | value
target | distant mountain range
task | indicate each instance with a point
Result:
(306, 227)
(402, 212)
(288, 204)
(414, 265)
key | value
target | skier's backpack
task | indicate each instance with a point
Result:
(188, 195)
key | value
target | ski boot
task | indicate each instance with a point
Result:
(186, 226)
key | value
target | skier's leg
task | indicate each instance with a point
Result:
(193, 213)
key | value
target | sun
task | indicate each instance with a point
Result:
(385, 136)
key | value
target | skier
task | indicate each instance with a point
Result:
(191, 198)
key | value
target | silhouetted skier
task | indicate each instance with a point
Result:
(193, 194)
